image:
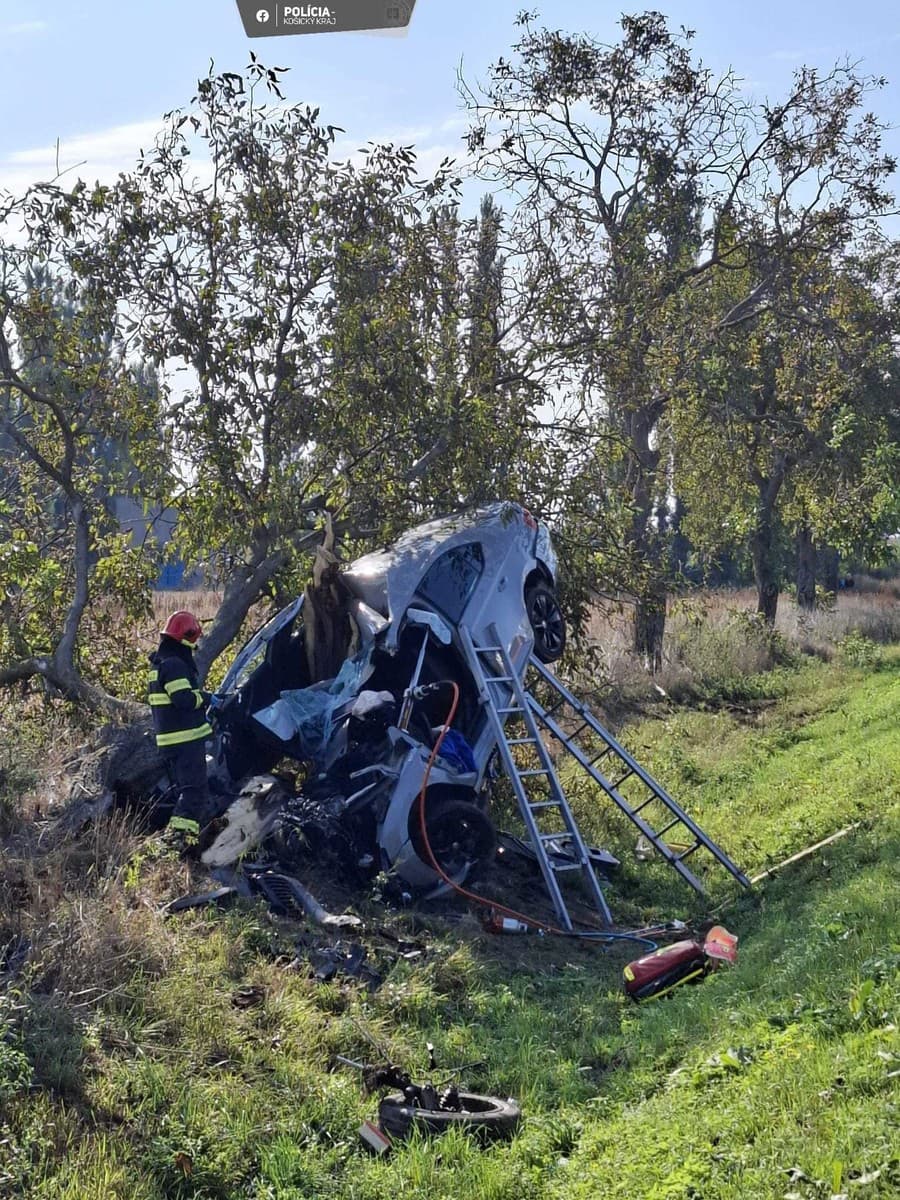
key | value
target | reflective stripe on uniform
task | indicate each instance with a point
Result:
(177, 685)
(158, 698)
(184, 735)
(153, 676)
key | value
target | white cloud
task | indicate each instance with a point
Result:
(90, 156)
(103, 154)
(430, 143)
(24, 29)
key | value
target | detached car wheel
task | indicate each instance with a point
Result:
(486, 1116)
(547, 622)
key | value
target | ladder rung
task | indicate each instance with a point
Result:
(666, 828)
(535, 771)
(566, 866)
(555, 837)
(622, 778)
(643, 804)
(690, 850)
(600, 756)
(529, 741)
(516, 709)
(543, 804)
(498, 678)
(488, 649)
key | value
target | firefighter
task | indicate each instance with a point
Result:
(179, 718)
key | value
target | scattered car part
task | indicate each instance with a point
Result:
(488, 1117)
(340, 960)
(512, 845)
(248, 996)
(289, 895)
(200, 899)
(424, 1108)
(375, 1138)
(246, 822)
(686, 961)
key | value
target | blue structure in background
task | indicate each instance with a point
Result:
(171, 576)
(151, 527)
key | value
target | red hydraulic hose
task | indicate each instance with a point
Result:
(483, 901)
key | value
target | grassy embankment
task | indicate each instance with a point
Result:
(128, 1069)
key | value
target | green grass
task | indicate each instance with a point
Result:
(775, 1078)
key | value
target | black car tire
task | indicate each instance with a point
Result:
(487, 1116)
(547, 622)
(477, 837)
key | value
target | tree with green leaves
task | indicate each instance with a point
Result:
(639, 177)
(238, 241)
(794, 409)
(67, 394)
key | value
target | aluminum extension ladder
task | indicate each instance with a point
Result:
(648, 791)
(541, 799)
(539, 793)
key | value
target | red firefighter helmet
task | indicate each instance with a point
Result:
(183, 627)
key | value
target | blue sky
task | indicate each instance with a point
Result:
(97, 74)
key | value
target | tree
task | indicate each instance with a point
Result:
(640, 178)
(234, 241)
(793, 409)
(67, 391)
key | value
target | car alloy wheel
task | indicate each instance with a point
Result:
(547, 622)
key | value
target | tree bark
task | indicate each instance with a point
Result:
(762, 541)
(650, 625)
(829, 561)
(241, 591)
(806, 569)
(679, 544)
(764, 567)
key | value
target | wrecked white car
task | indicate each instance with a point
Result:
(364, 727)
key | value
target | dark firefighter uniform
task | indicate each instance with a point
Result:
(179, 718)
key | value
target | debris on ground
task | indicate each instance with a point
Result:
(288, 896)
(218, 896)
(686, 961)
(345, 961)
(250, 817)
(489, 1118)
(427, 1108)
(248, 996)
(374, 1138)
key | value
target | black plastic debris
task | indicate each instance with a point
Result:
(289, 898)
(558, 851)
(219, 896)
(343, 960)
